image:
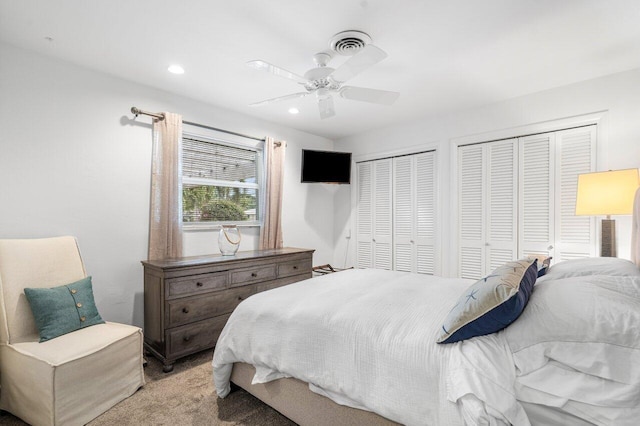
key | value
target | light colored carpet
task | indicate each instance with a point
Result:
(183, 397)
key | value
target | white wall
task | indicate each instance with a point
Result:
(72, 162)
(617, 96)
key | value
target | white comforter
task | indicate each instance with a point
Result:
(364, 338)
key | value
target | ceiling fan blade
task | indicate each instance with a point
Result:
(280, 98)
(326, 107)
(363, 94)
(266, 66)
(359, 62)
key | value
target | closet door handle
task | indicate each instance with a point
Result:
(550, 248)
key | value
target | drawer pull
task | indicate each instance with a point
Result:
(186, 338)
(253, 274)
(295, 267)
(240, 298)
(199, 284)
(185, 310)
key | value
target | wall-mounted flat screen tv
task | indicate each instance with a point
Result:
(326, 166)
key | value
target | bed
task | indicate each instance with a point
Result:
(359, 347)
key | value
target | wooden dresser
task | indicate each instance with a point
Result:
(187, 301)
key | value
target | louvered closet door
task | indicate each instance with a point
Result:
(414, 191)
(575, 154)
(382, 214)
(426, 174)
(471, 192)
(374, 215)
(536, 206)
(501, 210)
(404, 214)
(487, 188)
(364, 215)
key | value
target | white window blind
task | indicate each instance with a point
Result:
(221, 182)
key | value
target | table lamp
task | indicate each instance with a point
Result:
(605, 194)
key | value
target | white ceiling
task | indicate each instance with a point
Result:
(444, 55)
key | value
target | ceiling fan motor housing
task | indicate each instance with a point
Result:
(318, 79)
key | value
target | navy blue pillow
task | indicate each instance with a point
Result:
(492, 303)
(544, 266)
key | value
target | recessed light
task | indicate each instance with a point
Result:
(176, 69)
(293, 110)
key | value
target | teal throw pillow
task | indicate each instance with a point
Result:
(61, 310)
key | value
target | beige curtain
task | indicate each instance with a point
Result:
(271, 231)
(635, 230)
(165, 218)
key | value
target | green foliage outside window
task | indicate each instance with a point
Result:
(222, 210)
(203, 203)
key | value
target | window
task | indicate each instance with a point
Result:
(221, 182)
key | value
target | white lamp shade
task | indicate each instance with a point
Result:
(606, 193)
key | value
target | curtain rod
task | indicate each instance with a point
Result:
(160, 116)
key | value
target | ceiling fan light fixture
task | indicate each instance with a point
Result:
(322, 93)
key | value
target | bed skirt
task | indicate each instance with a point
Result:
(292, 398)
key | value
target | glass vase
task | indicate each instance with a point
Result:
(229, 240)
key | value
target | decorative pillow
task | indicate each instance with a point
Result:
(543, 265)
(61, 310)
(492, 303)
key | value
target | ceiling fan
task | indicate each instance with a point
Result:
(323, 81)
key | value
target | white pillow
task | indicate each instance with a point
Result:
(591, 266)
(589, 323)
(579, 341)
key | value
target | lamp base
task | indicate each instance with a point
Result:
(608, 238)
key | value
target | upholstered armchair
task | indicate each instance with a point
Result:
(70, 379)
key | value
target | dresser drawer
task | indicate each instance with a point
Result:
(194, 337)
(250, 275)
(189, 309)
(260, 287)
(295, 267)
(195, 284)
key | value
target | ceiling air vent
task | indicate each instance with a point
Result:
(349, 43)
